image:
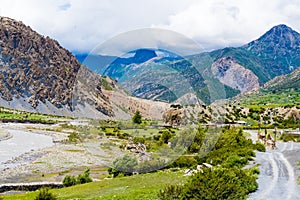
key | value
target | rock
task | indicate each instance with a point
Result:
(38, 69)
(173, 115)
(234, 75)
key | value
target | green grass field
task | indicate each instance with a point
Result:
(143, 186)
(11, 115)
(268, 99)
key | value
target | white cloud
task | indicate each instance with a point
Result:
(218, 23)
(82, 25)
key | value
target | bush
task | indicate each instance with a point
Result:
(84, 178)
(170, 192)
(125, 165)
(166, 135)
(69, 181)
(80, 179)
(74, 137)
(44, 194)
(139, 140)
(290, 137)
(137, 117)
(260, 147)
(218, 183)
(235, 161)
(184, 161)
(150, 166)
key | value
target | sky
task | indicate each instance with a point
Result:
(82, 25)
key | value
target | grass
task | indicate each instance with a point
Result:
(11, 115)
(143, 186)
(270, 99)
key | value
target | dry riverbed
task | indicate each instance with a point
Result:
(54, 162)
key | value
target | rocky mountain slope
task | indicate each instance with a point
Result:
(288, 81)
(234, 70)
(37, 74)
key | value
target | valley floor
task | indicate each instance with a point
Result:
(53, 162)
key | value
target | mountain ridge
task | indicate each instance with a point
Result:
(39, 75)
(275, 53)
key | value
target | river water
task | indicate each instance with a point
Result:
(22, 142)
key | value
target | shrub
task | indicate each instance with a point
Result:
(74, 137)
(218, 183)
(84, 178)
(170, 192)
(44, 194)
(260, 147)
(166, 135)
(80, 179)
(184, 161)
(139, 140)
(123, 165)
(137, 117)
(69, 181)
(150, 166)
(235, 161)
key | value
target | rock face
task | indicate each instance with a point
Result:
(37, 70)
(34, 66)
(232, 74)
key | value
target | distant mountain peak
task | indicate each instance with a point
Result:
(280, 36)
(142, 55)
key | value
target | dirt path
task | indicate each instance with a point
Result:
(278, 172)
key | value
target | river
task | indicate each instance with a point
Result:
(21, 142)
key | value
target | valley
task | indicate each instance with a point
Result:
(150, 124)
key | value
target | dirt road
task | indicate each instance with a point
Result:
(278, 172)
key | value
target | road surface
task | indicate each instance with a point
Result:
(278, 172)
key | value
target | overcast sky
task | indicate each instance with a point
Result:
(81, 25)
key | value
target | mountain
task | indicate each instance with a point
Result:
(281, 90)
(219, 74)
(37, 74)
(96, 63)
(155, 74)
(278, 49)
(284, 82)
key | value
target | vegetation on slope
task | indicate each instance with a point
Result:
(11, 115)
(228, 179)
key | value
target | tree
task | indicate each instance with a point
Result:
(137, 117)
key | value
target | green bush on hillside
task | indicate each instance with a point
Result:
(80, 179)
(137, 117)
(44, 194)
